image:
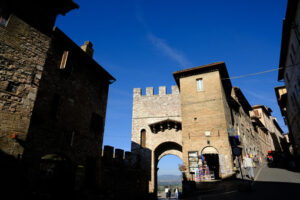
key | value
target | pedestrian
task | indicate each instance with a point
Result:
(248, 165)
(167, 192)
(255, 159)
(176, 191)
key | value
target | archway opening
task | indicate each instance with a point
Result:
(210, 157)
(169, 175)
(168, 157)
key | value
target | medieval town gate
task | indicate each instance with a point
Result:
(156, 128)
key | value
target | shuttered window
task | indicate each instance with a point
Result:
(64, 59)
(200, 84)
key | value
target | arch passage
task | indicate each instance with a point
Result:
(165, 147)
(159, 150)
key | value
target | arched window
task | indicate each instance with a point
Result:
(143, 138)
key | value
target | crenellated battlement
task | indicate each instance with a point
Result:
(162, 90)
(109, 154)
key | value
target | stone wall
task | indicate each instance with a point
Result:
(48, 107)
(23, 52)
(290, 71)
(149, 109)
(69, 113)
(120, 176)
(249, 136)
(274, 135)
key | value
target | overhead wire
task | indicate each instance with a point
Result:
(234, 77)
(262, 72)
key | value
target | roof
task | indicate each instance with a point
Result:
(265, 108)
(277, 90)
(277, 125)
(67, 42)
(218, 66)
(242, 99)
(290, 14)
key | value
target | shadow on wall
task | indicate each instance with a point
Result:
(122, 177)
(145, 156)
(276, 142)
(12, 177)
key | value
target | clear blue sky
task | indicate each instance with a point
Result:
(142, 42)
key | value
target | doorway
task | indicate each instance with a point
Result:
(211, 158)
(212, 161)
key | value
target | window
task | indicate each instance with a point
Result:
(12, 87)
(143, 138)
(64, 60)
(200, 84)
(65, 65)
(256, 113)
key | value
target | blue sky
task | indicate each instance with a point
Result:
(142, 42)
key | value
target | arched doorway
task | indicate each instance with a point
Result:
(210, 156)
(168, 174)
(160, 151)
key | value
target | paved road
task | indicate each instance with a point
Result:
(270, 183)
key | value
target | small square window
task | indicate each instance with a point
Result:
(12, 87)
(200, 84)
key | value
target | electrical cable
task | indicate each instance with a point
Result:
(258, 73)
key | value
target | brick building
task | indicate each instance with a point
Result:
(205, 118)
(53, 94)
(270, 134)
(289, 71)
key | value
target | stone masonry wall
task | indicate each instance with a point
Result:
(150, 109)
(69, 114)
(23, 52)
(244, 128)
(120, 176)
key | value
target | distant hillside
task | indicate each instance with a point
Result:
(169, 179)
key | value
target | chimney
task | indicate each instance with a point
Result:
(88, 48)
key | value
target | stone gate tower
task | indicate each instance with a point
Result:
(156, 128)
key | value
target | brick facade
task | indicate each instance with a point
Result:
(210, 120)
